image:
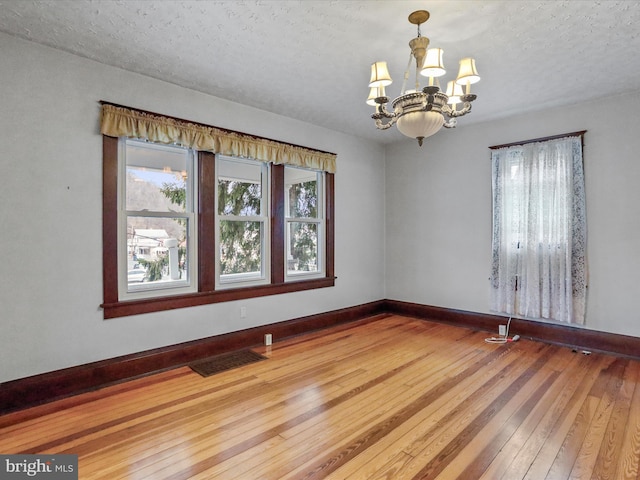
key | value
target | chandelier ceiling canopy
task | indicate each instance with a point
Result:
(420, 113)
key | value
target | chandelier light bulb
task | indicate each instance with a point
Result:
(433, 64)
(467, 75)
(380, 75)
(454, 92)
(375, 92)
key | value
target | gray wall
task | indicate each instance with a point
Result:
(417, 229)
(51, 214)
(438, 201)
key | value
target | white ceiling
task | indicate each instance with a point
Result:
(310, 59)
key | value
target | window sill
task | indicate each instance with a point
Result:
(159, 304)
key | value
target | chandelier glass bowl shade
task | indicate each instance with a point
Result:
(419, 113)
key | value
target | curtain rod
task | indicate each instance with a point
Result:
(104, 102)
(542, 139)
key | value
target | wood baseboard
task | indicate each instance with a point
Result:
(47, 387)
(41, 389)
(578, 338)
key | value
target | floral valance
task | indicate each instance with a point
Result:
(125, 122)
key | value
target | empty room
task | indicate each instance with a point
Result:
(313, 239)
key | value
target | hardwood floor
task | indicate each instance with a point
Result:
(384, 398)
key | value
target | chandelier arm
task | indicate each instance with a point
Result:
(382, 112)
(457, 113)
(451, 123)
(380, 125)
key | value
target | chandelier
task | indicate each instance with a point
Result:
(420, 113)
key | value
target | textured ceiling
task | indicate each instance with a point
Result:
(310, 59)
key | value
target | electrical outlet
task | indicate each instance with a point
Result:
(268, 339)
(243, 312)
(502, 330)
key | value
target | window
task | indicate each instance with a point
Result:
(183, 226)
(242, 222)
(539, 230)
(304, 222)
(156, 219)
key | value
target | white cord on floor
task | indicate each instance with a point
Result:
(504, 339)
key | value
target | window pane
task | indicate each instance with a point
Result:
(239, 188)
(156, 177)
(240, 247)
(302, 193)
(302, 254)
(156, 250)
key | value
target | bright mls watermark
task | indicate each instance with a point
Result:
(51, 467)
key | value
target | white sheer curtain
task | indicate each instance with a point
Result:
(539, 230)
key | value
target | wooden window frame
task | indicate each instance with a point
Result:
(113, 307)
